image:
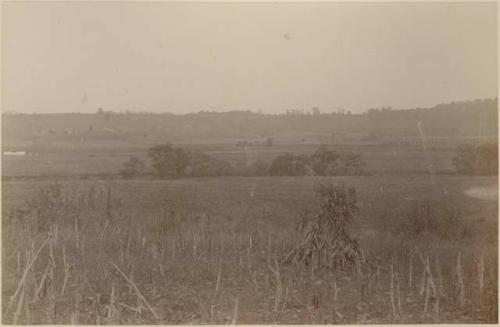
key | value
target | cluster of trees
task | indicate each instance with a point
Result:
(477, 159)
(169, 161)
(323, 162)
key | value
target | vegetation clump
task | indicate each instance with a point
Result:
(323, 162)
(477, 160)
(168, 161)
(132, 168)
(326, 242)
(289, 165)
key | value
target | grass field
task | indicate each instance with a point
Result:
(210, 250)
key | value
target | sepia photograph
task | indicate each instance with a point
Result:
(265, 163)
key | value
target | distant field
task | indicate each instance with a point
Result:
(66, 159)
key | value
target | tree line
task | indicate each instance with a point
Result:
(478, 117)
(169, 161)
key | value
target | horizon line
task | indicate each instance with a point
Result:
(302, 111)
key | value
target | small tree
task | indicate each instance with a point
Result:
(326, 243)
(168, 161)
(133, 167)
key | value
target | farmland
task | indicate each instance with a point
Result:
(108, 160)
(390, 142)
(82, 245)
(186, 163)
(216, 258)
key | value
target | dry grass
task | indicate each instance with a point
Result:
(82, 256)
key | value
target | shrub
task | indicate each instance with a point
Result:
(133, 167)
(323, 162)
(257, 168)
(477, 160)
(168, 161)
(322, 159)
(201, 164)
(289, 165)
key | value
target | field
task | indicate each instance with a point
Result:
(80, 244)
(65, 159)
(259, 164)
(211, 250)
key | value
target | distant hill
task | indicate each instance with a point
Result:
(457, 119)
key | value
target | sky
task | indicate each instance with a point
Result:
(269, 57)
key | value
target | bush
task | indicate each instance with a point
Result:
(133, 167)
(323, 162)
(257, 168)
(323, 159)
(289, 165)
(201, 164)
(175, 162)
(477, 160)
(168, 161)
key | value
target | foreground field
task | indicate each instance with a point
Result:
(211, 251)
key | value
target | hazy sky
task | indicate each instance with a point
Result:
(181, 57)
